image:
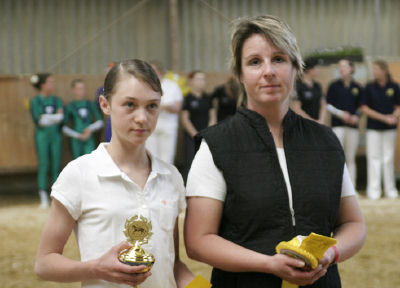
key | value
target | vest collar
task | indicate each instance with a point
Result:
(257, 120)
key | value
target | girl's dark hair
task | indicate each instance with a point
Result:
(139, 69)
(76, 81)
(351, 64)
(311, 63)
(38, 79)
(384, 66)
(232, 87)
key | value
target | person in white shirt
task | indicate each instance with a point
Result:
(162, 143)
(96, 193)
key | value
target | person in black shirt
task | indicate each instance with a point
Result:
(344, 98)
(225, 99)
(309, 101)
(381, 103)
(197, 114)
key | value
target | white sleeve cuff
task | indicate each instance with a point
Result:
(50, 119)
(70, 132)
(205, 179)
(347, 185)
(67, 188)
(334, 111)
(96, 125)
(68, 205)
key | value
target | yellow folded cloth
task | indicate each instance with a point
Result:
(306, 248)
(199, 282)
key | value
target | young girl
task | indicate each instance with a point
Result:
(225, 98)
(82, 112)
(344, 98)
(381, 104)
(96, 193)
(197, 114)
(47, 114)
(309, 101)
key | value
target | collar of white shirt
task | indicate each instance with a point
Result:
(108, 168)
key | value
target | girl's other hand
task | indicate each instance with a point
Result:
(109, 268)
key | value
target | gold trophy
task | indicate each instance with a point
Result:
(137, 232)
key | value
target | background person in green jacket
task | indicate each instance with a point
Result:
(85, 118)
(47, 113)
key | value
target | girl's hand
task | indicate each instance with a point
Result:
(345, 117)
(109, 268)
(290, 269)
(353, 120)
(390, 119)
(193, 133)
(85, 134)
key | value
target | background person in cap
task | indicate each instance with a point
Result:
(309, 101)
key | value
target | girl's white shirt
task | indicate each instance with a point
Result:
(100, 197)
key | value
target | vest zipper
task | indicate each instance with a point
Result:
(293, 217)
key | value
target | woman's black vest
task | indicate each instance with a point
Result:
(256, 211)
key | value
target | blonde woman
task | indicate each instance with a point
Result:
(266, 175)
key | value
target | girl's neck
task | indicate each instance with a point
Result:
(346, 80)
(127, 156)
(308, 79)
(197, 92)
(382, 82)
(44, 93)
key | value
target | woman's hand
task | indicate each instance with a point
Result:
(85, 134)
(390, 119)
(354, 119)
(328, 258)
(345, 117)
(109, 268)
(187, 124)
(292, 270)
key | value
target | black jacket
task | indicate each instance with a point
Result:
(256, 211)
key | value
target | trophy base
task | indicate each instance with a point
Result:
(148, 265)
(136, 256)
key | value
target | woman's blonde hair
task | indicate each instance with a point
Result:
(271, 27)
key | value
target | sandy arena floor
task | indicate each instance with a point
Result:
(21, 221)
